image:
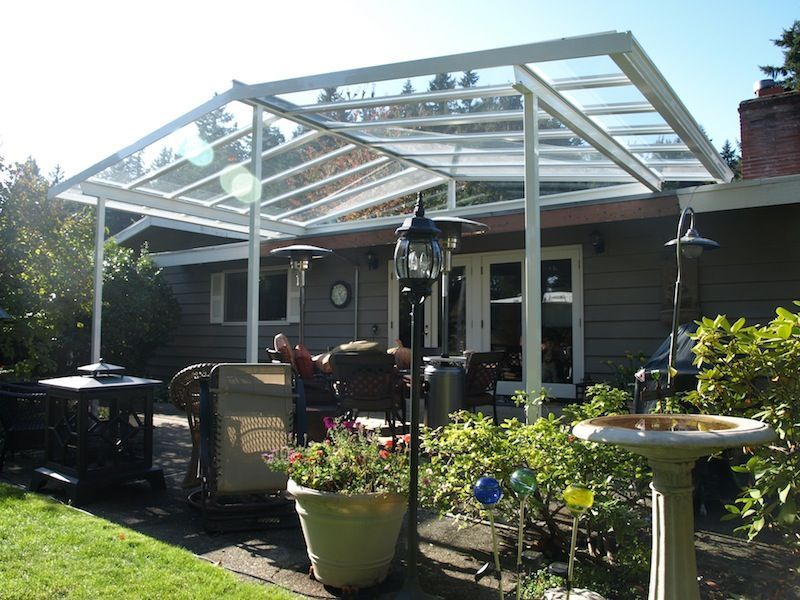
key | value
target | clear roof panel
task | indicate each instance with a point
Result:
(343, 146)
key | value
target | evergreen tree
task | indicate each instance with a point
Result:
(732, 158)
(788, 74)
(468, 79)
(441, 81)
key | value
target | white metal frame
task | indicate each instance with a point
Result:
(414, 148)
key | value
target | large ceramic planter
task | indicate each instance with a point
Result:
(350, 539)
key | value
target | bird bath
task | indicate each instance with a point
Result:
(672, 444)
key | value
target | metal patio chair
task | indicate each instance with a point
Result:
(369, 382)
(480, 380)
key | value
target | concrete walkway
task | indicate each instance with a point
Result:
(449, 556)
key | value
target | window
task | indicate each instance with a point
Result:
(229, 297)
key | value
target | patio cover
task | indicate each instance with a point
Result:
(568, 120)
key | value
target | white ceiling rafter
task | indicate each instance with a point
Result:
(562, 109)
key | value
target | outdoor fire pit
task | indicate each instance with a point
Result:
(672, 444)
(99, 431)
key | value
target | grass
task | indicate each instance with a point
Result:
(48, 550)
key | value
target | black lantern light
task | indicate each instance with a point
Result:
(691, 245)
(417, 263)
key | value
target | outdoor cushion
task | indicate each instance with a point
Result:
(281, 345)
(303, 362)
(324, 362)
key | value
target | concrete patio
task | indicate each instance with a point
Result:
(728, 566)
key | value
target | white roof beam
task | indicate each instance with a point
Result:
(269, 152)
(560, 49)
(590, 82)
(575, 120)
(644, 74)
(226, 139)
(417, 187)
(382, 160)
(292, 171)
(185, 119)
(138, 200)
(284, 106)
(487, 91)
(434, 120)
(344, 195)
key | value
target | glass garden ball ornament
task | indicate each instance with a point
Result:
(579, 499)
(487, 491)
(523, 482)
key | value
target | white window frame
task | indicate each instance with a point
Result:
(217, 300)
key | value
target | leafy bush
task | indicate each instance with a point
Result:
(46, 284)
(472, 446)
(754, 371)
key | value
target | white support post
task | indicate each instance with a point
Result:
(451, 193)
(97, 306)
(532, 365)
(254, 243)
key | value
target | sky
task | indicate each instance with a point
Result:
(83, 79)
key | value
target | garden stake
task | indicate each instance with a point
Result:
(488, 492)
(579, 499)
(523, 482)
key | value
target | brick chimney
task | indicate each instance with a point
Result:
(770, 125)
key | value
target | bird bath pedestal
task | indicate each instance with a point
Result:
(672, 444)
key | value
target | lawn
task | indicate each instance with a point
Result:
(49, 550)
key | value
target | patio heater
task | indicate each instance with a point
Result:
(690, 245)
(300, 257)
(417, 263)
(452, 228)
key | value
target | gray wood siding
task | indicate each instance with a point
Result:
(627, 300)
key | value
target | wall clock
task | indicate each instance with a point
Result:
(340, 294)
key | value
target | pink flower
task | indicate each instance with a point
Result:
(384, 454)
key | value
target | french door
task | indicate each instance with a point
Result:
(486, 295)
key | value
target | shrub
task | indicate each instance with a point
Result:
(472, 446)
(752, 371)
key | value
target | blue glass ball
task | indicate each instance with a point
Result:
(523, 482)
(487, 491)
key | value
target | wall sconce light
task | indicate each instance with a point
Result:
(598, 243)
(372, 260)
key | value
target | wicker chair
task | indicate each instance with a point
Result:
(480, 384)
(184, 393)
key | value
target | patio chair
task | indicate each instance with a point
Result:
(22, 418)
(245, 411)
(369, 382)
(480, 381)
(184, 393)
(316, 393)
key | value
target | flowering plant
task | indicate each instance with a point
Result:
(351, 460)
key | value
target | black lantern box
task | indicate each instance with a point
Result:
(99, 431)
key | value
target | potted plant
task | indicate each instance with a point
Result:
(350, 492)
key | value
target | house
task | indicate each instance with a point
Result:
(588, 125)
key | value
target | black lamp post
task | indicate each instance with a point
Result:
(452, 229)
(690, 245)
(299, 261)
(417, 263)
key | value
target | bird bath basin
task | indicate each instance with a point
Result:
(672, 444)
